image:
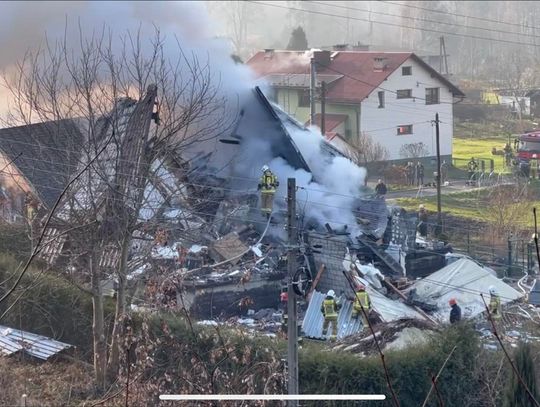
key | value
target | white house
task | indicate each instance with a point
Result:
(391, 96)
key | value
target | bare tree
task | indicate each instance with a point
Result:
(366, 150)
(413, 150)
(138, 106)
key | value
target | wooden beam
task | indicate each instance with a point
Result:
(398, 292)
(316, 281)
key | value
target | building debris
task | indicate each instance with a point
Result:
(388, 310)
(396, 334)
(534, 295)
(463, 280)
(13, 341)
(228, 247)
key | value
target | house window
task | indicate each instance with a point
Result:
(432, 96)
(404, 94)
(303, 98)
(406, 70)
(381, 99)
(404, 129)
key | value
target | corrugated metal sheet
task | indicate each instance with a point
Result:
(463, 280)
(41, 347)
(389, 310)
(8, 346)
(313, 320)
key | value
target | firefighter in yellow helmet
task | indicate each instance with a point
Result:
(361, 300)
(329, 309)
(267, 186)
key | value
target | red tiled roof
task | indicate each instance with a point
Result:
(359, 77)
(332, 120)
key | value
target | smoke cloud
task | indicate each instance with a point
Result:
(330, 198)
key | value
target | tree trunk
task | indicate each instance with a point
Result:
(114, 355)
(98, 327)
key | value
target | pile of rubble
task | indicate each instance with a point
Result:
(391, 335)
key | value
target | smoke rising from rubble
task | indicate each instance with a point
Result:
(331, 198)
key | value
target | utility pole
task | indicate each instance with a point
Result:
(312, 90)
(438, 179)
(292, 327)
(323, 108)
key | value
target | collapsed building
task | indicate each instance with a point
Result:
(204, 245)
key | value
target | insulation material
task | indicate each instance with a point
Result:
(463, 280)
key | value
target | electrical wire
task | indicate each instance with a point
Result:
(396, 25)
(430, 10)
(452, 24)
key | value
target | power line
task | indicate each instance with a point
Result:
(396, 25)
(453, 24)
(430, 10)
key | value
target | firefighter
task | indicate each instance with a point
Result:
(533, 165)
(472, 167)
(267, 186)
(444, 172)
(507, 155)
(329, 309)
(455, 312)
(361, 300)
(284, 298)
(495, 307)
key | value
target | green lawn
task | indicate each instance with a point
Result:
(465, 205)
(469, 205)
(464, 149)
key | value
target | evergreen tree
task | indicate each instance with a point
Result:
(298, 41)
(515, 394)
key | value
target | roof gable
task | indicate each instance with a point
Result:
(46, 154)
(359, 76)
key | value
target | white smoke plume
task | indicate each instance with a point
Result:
(331, 198)
(25, 25)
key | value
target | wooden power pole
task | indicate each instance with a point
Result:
(292, 327)
(439, 214)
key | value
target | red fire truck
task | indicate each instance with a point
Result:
(526, 145)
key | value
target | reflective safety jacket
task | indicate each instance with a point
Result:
(472, 165)
(495, 307)
(362, 298)
(533, 163)
(329, 308)
(268, 183)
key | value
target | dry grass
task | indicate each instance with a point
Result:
(55, 383)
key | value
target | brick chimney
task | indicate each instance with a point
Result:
(322, 58)
(379, 64)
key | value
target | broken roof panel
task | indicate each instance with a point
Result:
(313, 320)
(389, 310)
(463, 280)
(41, 347)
